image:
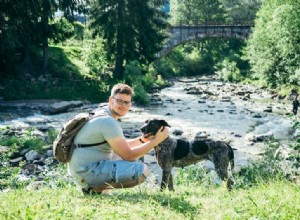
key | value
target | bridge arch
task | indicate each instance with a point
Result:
(183, 33)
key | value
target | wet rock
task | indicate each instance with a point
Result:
(156, 101)
(24, 151)
(257, 116)
(60, 107)
(31, 167)
(3, 149)
(177, 132)
(262, 137)
(237, 135)
(202, 136)
(194, 91)
(32, 155)
(16, 161)
(225, 99)
(268, 109)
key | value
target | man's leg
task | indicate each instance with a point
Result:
(125, 184)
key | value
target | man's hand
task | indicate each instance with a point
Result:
(161, 135)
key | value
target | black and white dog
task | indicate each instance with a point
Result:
(180, 153)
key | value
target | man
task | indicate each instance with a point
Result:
(94, 168)
(295, 105)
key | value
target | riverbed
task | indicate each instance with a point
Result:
(240, 114)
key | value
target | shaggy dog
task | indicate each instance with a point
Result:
(180, 153)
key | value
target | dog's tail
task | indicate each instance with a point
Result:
(231, 156)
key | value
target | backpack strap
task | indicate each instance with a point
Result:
(89, 145)
(92, 115)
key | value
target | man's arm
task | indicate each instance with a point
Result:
(138, 141)
(133, 149)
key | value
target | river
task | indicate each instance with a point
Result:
(199, 106)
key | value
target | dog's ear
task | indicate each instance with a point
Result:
(164, 123)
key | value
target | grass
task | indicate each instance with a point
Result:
(272, 200)
(265, 190)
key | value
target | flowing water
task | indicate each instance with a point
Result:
(233, 121)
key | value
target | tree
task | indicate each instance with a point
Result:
(133, 29)
(196, 11)
(274, 47)
(26, 23)
(241, 9)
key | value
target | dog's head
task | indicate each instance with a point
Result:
(152, 126)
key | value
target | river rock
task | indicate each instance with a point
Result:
(32, 155)
(16, 161)
(177, 132)
(268, 109)
(60, 107)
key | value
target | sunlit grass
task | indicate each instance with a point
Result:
(272, 200)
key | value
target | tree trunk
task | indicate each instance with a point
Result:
(45, 17)
(119, 69)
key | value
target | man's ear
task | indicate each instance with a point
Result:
(164, 123)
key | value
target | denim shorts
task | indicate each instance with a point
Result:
(112, 171)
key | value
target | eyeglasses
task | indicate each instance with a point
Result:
(122, 102)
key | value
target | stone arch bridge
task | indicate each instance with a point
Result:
(180, 34)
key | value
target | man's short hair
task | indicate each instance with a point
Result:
(121, 88)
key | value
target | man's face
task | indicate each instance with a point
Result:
(120, 104)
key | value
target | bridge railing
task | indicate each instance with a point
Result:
(216, 23)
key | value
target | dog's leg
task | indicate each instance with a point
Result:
(221, 165)
(170, 186)
(165, 178)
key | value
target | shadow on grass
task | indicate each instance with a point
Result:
(175, 202)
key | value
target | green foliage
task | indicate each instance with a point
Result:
(149, 78)
(133, 76)
(241, 10)
(131, 31)
(79, 29)
(96, 60)
(194, 175)
(196, 58)
(140, 95)
(228, 71)
(196, 11)
(52, 134)
(133, 73)
(69, 79)
(271, 166)
(8, 174)
(259, 190)
(273, 200)
(61, 29)
(273, 48)
(296, 144)
(27, 141)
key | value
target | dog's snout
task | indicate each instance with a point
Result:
(143, 129)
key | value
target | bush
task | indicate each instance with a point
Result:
(228, 71)
(96, 59)
(140, 95)
(133, 73)
(271, 166)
